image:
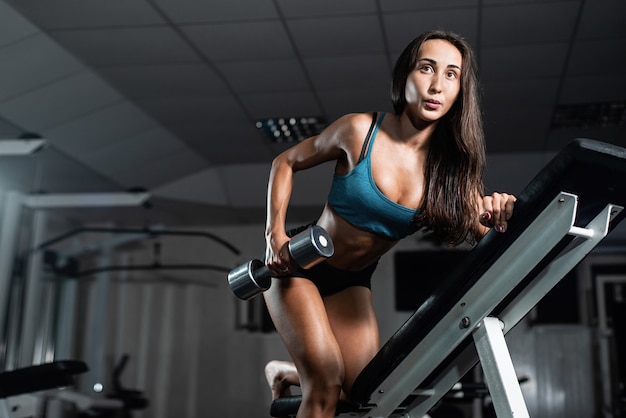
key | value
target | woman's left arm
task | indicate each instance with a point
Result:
(496, 211)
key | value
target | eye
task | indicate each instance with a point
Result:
(426, 68)
(452, 74)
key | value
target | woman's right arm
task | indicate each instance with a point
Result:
(329, 145)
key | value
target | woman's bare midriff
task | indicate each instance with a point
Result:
(355, 248)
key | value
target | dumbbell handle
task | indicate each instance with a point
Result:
(306, 249)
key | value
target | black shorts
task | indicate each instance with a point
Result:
(329, 279)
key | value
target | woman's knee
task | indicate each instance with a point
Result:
(324, 372)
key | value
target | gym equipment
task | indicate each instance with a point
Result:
(148, 232)
(30, 379)
(131, 399)
(567, 209)
(306, 249)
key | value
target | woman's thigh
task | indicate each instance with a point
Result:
(353, 321)
(300, 318)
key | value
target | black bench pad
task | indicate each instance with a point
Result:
(40, 377)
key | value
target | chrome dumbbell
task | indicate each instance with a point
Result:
(306, 249)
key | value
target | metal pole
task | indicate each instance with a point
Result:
(66, 320)
(497, 365)
(97, 327)
(9, 233)
(33, 302)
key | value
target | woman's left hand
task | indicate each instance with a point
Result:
(497, 210)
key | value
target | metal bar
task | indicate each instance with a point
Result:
(497, 365)
(33, 307)
(562, 264)
(141, 233)
(97, 327)
(604, 335)
(152, 267)
(4, 408)
(11, 147)
(67, 318)
(121, 322)
(581, 232)
(9, 232)
(90, 200)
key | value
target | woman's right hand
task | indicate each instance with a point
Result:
(277, 256)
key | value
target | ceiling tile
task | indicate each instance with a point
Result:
(245, 185)
(515, 129)
(185, 11)
(513, 171)
(226, 143)
(13, 26)
(349, 71)
(20, 173)
(516, 24)
(281, 104)
(216, 134)
(194, 110)
(84, 14)
(325, 8)
(243, 41)
(41, 109)
(60, 173)
(159, 171)
(338, 102)
(136, 150)
(353, 35)
(606, 57)
(127, 46)
(9, 130)
(602, 19)
(204, 186)
(264, 76)
(173, 80)
(558, 138)
(528, 61)
(508, 2)
(521, 93)
(407, 5)
(83, 136)
(590, 89)
(32, 63)
(402, 28)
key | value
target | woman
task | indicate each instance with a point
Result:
(420, 167)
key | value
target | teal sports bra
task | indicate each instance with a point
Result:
(357, 199)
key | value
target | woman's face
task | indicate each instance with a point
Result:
(435, 82)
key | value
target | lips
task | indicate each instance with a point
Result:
(433, 104)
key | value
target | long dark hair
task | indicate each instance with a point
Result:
(456, 158)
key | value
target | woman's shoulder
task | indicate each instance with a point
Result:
(355, 125)
(359, 119)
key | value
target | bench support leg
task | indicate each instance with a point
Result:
(4, 408)
(500, 376)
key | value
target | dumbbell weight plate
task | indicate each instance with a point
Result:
(249, 279)
(310, 246)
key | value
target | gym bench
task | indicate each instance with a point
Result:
(565, 211)
(30, 379)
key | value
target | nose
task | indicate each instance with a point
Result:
(435, 84)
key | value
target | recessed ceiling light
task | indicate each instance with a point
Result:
(291, 129)
(589, 115)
